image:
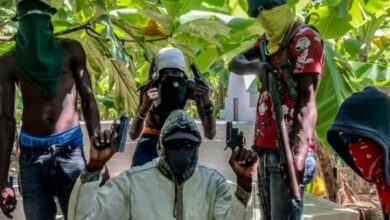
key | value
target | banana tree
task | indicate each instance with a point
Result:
(120, 37)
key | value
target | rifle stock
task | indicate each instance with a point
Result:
(283, 140)
(292, 178)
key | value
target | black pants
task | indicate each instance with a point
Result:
(146, 149)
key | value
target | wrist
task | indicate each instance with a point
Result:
(245, 183)
(208, 109)
(205, 101)
(94, 166)
(141, 115)
(142, 112)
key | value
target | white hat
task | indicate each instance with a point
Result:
(169, 58)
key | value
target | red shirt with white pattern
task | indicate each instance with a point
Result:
(305, 54)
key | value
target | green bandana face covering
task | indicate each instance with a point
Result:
(40, 56)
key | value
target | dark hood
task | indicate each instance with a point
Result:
(365, 114)
(178, 120)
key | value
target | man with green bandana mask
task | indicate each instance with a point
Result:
(172, 186)
(293, 52)
(51, 74)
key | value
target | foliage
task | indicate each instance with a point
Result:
(129, 32)
(211, 32)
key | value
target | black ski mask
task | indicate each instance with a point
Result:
(172, 95)
(181, 152)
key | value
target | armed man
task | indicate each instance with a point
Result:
(172, 186)
(169, 89)
(51, 74)
(288, 59)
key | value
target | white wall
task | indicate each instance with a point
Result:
(243, 88)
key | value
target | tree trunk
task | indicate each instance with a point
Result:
(339, 189)
(329, 172)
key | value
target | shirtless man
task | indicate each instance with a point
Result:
(50, 75)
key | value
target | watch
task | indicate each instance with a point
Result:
(208, 109)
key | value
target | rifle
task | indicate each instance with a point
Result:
(263, 202)
(286, 155)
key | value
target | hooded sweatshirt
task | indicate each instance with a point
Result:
(364, 114)
(152, 192)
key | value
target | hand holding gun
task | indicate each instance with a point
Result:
(200, 89)
(8, 199)
(242, 161)
(120, 131)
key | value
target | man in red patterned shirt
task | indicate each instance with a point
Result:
(304, 54)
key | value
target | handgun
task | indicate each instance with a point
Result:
(122, 130)
(195, 70)
(234, 138)
(198, 78)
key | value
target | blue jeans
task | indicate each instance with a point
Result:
(45, 173)
(278, 199)
(146, 150)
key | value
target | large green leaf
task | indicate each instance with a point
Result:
(371, 74)
(335, 22)
(353, 46)
(208, 30)
(339, 81)
(377, 7)
(176, 8)
(121, 81)
(131, 16)
(137, 37)
(5, 47)
(116, 51)
(333, 90)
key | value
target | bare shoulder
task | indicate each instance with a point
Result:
(74, 50)
(8, 57)
(8, 63)
(70, 44)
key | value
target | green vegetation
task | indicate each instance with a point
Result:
(121, 36)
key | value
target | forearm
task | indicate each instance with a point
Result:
(89, 201)
(208, 121)
(83, 197)
(241, 206)
(137, 125)
(91, 115)
(240, 65)
(304, 126)
(242, 194)
(7, 136)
